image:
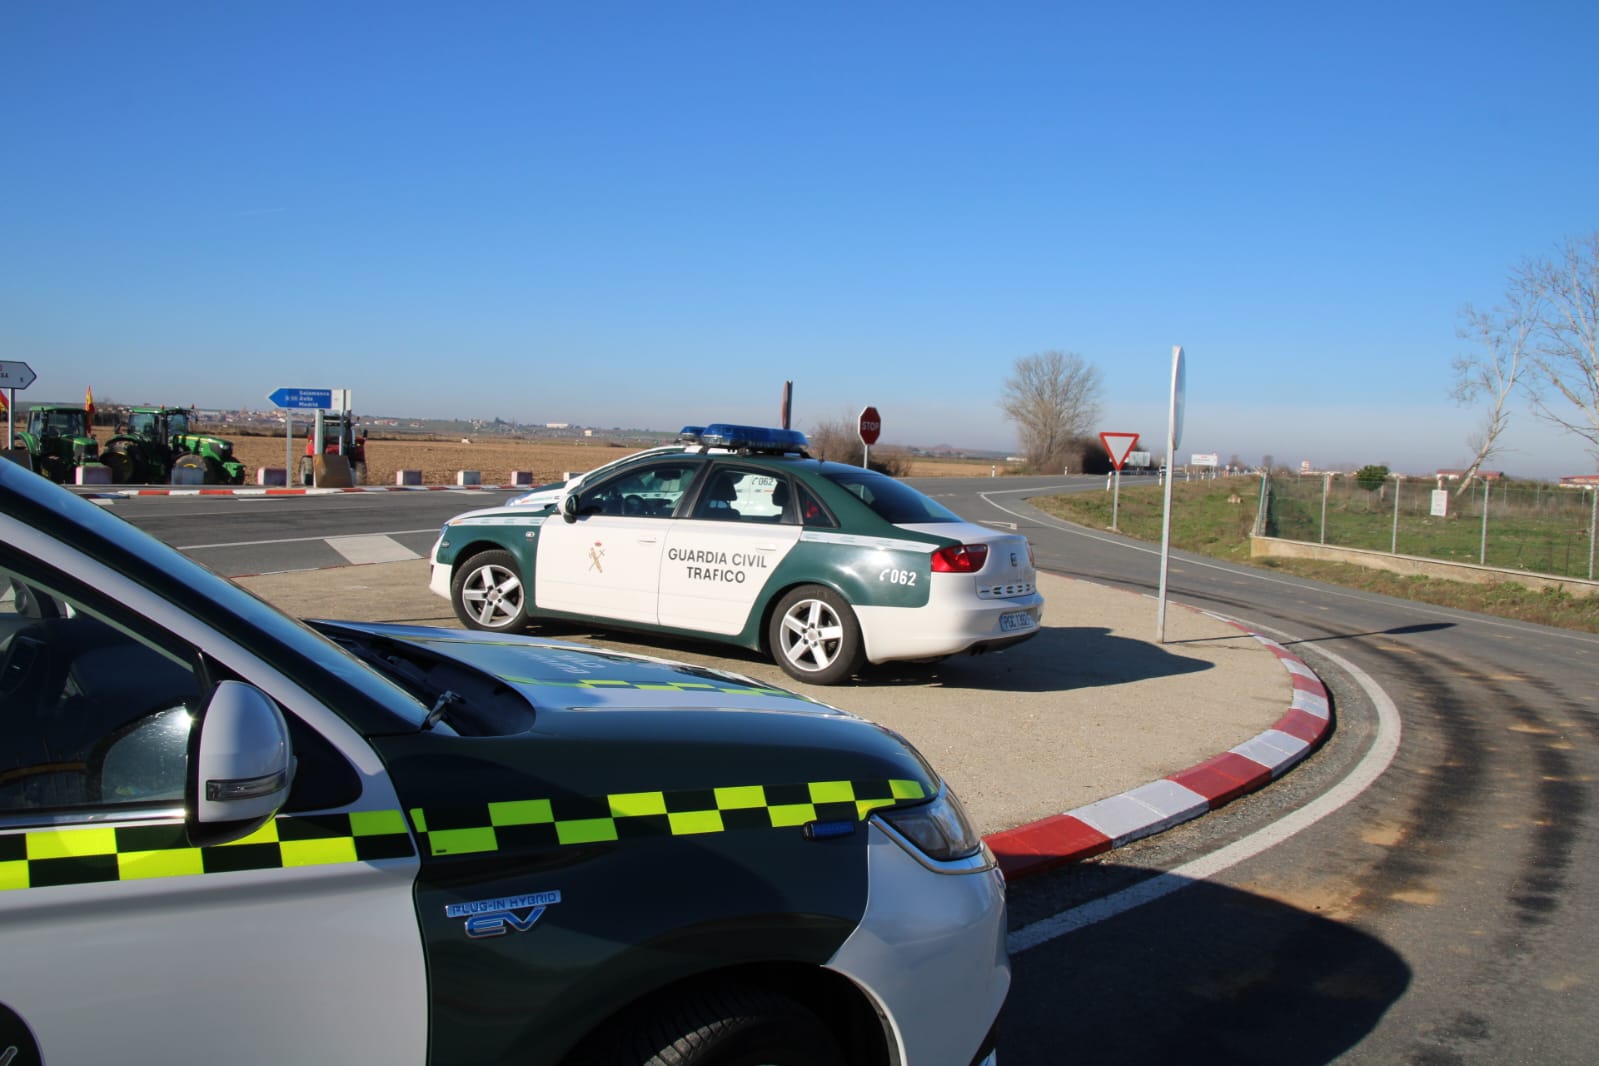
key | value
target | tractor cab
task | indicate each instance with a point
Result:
(58, 440)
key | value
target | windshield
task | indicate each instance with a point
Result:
(893, 501)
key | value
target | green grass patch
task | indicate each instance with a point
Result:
(1214, 518)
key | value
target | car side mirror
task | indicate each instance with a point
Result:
(241, 764)
(569, 507)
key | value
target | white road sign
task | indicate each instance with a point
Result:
(16, 375)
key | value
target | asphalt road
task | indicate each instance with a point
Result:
(1422, 890)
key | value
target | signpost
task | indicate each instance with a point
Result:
(1117, 446)
(1174, 437)
(14, 376)
(871, 426)
(291, 400)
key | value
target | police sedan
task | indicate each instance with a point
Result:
(737, 535)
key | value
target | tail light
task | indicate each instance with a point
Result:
(960, 559)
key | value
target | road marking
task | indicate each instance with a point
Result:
(375, 548)
(296, 540)
(1370, 767)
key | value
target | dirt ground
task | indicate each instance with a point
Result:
(441, 461)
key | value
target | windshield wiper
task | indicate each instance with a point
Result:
(441, 707)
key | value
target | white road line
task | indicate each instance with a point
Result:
(293, 540)
(375, 548)
(1371, 766)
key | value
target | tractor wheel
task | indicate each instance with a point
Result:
(358, 473)
(121, 466)
(127, 462)
(190, 462)
(56, 469)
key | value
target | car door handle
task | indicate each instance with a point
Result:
(648, 540)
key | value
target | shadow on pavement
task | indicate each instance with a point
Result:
(1058, 659)
(1206, 974)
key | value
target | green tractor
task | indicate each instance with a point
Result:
(58, 440)
(156, 443)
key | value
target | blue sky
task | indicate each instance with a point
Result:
(650, 214)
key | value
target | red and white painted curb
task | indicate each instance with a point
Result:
(1149, 809)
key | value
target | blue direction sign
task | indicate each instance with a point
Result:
(302, 398)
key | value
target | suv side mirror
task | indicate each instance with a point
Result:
(241, 764)
(569, 507)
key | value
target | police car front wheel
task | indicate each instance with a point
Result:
(487, 592)
(723, 1026)
(814, 636)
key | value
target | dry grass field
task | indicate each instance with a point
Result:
(441, 460)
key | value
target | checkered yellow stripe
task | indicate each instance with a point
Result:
(39, 858)
(540, 823)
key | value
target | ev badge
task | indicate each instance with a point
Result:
(497, 917)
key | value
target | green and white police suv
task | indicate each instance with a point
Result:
(737, 536)
(227, 836)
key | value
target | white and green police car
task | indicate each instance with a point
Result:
(230, 837)
(738, 536)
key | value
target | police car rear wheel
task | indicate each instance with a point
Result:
(814, 636)
(487, 593)
(728, 1026)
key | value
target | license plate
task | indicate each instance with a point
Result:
(1010, 623)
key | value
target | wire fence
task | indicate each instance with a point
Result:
(1514, 526)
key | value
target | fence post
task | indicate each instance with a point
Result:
(1393, 546)
(1593, 527)
(1326, 487)
(1482, 553)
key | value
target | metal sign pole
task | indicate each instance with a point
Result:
(1174, 434)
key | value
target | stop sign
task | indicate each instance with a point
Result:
(871, 426)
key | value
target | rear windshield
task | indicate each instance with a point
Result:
(893, 501)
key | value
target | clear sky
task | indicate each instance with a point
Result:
(651, 214)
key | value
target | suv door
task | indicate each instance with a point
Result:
(296, 943)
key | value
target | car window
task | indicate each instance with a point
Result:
(894, 501)
(649, 492)
(737, 494)
(92, 713)
(812, 512)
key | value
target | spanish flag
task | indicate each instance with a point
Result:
(88, 401)
(4, 406)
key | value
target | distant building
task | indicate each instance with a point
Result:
(1580, 481)
(1483, 475)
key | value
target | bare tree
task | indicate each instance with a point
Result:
(1051, 397)
(1493, 369)
(837, 439)
(1565, 355)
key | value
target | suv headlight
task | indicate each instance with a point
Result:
(938, 830)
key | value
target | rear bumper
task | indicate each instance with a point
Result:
(951, 623)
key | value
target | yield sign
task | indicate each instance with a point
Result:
(1118, 445)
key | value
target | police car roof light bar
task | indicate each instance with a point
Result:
(763, 439)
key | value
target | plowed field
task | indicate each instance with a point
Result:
(441, 461)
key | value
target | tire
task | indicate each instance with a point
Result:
(724, 1026)
(191, 461)
(358, 473)
(307, 470)
(124, 470)
(487, 593)
(814, 637)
